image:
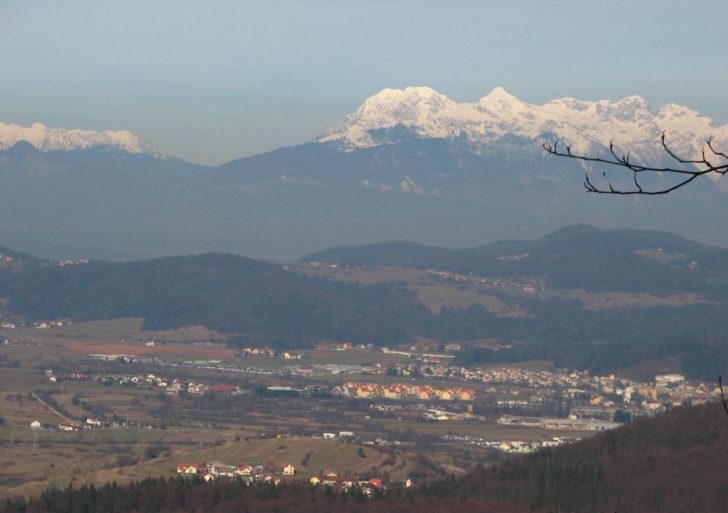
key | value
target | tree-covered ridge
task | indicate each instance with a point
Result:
(687, 338)
(673, 463)
(264, 302)
(581, 256)
(226, 293)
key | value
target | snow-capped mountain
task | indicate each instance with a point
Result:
(408, 165)
(630, 122)
(46, 139)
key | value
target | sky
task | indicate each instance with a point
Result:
(211, 81)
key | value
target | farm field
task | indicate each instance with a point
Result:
(435, 293)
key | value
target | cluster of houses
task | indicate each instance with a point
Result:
(90, 423)
(368, 485)
(491, 282)
(503, 375)
(570, 423)
(406, 391)
(342, 346)
(510, 446)
(172, 386)
(44, 325)
(258, 474)
(521, 447)
(606, 392)
(249, 473)
(179, 386)
(68, 261)
(39, 325)
(271, 353)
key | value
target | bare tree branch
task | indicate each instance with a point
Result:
(720, 384)
(693, 167)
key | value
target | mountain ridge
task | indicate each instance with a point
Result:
(106, 202)
(427, 113)
(45, 138)
(586, 125)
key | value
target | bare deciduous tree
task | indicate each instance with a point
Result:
(712, 161)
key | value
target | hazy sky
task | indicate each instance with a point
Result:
(214, 80)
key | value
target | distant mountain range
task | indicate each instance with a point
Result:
(409, 164)
(46, 139)
(586, 125)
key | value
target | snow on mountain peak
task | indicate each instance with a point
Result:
(412, 107)
(499, 96)
(46, 139)
(413, 104)
(630, 122)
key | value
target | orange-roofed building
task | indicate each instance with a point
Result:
(192, 468)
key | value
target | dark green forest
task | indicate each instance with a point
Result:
(226, 293)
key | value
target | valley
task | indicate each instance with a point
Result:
(169, 397)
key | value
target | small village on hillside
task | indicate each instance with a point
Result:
(257, 473)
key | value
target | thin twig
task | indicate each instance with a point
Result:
(720, 384)
(624, 161)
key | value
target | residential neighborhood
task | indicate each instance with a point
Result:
(405, 391)
(250, 473)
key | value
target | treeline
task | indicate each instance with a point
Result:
(673, 463)
(193, 495)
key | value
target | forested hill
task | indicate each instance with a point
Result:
(679, 326)
(673, 463)
(226, 293)
(579, 256)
